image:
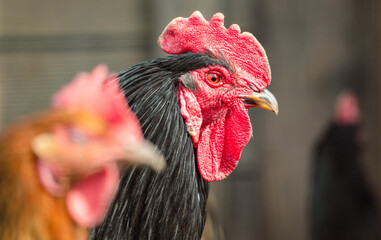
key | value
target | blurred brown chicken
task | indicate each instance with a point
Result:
(59, 169)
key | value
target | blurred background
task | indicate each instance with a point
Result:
(316, 49)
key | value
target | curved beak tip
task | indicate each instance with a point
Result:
(276, 111)
(265, 100)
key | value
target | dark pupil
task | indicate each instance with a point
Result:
(214, 78)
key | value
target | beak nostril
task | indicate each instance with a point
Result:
(254, 89)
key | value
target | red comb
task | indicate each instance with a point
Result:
(195, 34)
(347, 109)
(100, 93)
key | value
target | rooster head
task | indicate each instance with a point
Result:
(214, 100)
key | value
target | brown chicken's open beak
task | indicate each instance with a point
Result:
(139, 153)
(264, 99)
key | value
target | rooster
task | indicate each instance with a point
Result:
(344, 205)
(194, 106)
(59, 169)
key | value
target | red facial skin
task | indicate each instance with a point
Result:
(220, 121)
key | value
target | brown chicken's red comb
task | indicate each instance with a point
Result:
(99, 91)
(195, 34)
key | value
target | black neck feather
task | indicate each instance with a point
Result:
(171, 204)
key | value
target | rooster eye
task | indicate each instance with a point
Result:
(213, 78)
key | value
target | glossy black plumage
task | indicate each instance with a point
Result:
(170, 205)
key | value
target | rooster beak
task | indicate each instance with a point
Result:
(264, 99)
(145, 154)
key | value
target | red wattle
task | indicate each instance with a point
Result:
(221, 143)
(88, 200)
(48, 174)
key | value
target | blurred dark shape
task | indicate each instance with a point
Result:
(344, 205)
